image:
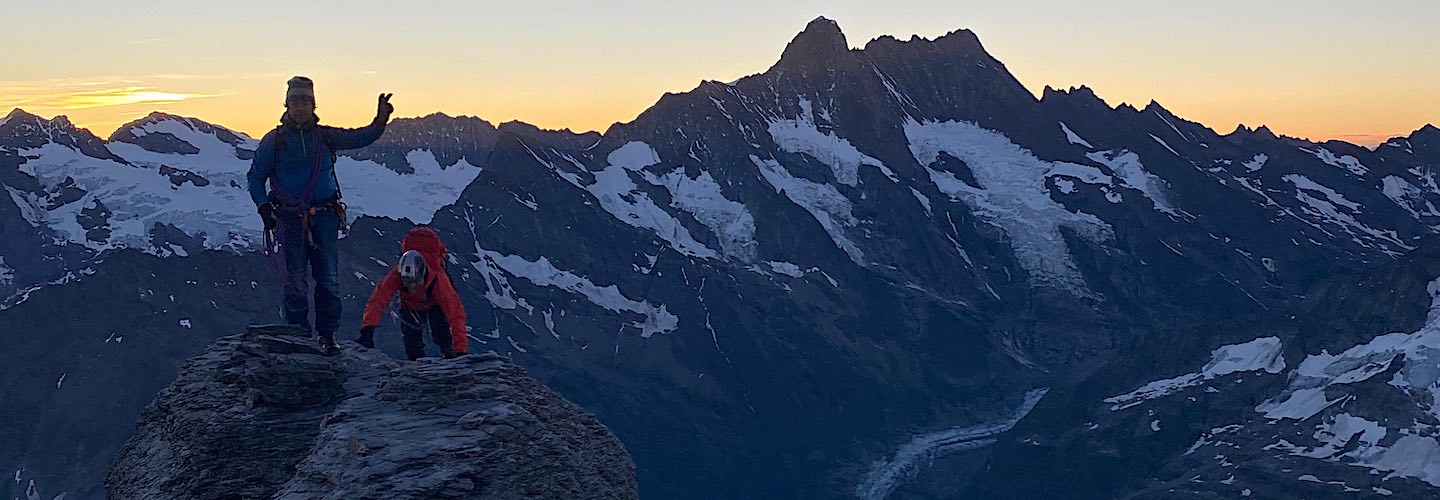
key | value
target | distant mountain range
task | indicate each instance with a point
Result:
(888, 271)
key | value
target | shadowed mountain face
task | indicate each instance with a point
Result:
(864, 272)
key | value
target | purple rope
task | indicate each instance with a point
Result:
(274, 241)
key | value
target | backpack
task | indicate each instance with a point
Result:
(425, 240)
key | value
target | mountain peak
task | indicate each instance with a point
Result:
(18, 114)
(25, 130)
(820, 41)
(1262, 131)
(961, 39)
(1078, 95)
(154, 134)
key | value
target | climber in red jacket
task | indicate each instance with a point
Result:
(426, 296)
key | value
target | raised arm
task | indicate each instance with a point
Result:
(354, 138)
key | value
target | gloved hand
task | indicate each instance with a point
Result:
(454, 354)
(367, 337)
(383, 111)
(267, 216)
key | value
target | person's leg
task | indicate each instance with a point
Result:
(440, 332)
(295, 249)
(324, 261)
(410, 326)
(367, 337)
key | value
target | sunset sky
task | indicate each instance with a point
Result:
(1350, 70)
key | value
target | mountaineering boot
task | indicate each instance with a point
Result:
(367, 337)
(327, 342)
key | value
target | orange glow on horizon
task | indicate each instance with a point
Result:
(102, 110)
(1335, 70)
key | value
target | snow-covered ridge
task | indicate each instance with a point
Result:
(209, 202)
(202, 194)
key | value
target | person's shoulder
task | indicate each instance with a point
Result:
(269, 136)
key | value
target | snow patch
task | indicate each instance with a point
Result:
(1127, 166)
(1347, 162)
(888, 473)
(1408, 196)
(372, 189)
(657, 319)
(830, 208)
(1256, 163)
(1336, 434)
(730, 221)
(924, 201)
(786, 268)
(29, 205)
(633, 155)
(1012, 195)
(1163, 143)
(1073, 138)
(1264, 353)
(801, 136)
(1329, 210)
(622, 198)
(1415, 453)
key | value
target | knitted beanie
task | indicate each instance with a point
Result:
(300, 86)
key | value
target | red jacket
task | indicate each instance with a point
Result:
(436, 291)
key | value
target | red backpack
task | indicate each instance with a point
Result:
(425, 240)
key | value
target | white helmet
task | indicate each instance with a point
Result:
(412, 268)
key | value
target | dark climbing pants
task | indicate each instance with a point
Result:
(412, 323)
(311, 256)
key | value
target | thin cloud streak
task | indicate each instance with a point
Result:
(43, 98)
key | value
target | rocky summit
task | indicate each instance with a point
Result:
(266, 415)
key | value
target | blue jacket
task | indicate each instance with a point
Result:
(292, 168)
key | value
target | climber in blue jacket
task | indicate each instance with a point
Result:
(292, 181)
